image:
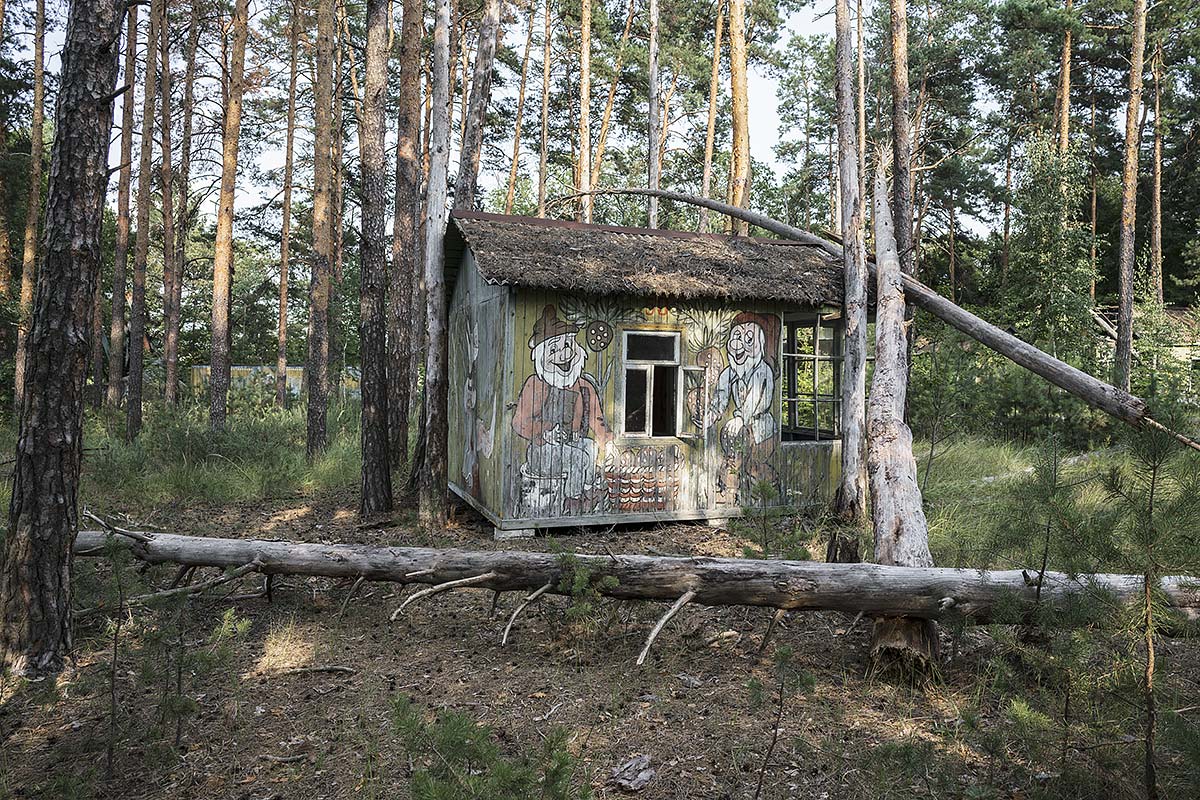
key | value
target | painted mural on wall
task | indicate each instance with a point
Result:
(479, 433)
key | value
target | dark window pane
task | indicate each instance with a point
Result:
(641, 347)
(664, 401)
(635, 401)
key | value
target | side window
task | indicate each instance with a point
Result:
(651, 383)
(812, 366)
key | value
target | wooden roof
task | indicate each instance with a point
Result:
(604, 260)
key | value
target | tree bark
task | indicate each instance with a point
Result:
(851, 501)
(116, 335)
(183, 218)
(740, 168)
(902, 201)
(1156, 251)
(141, 248)
(511, 193)
(35, 580)
(433, 510)
(476, 115)
(861, 42)
(33, 210)
(223, 248)
(796, 585)
(404, 231)
(544, 139)
(1129, 180)
(285, 232)
(316, 368)
(652, 145)
(376, 494)
(96, 390)
(1064, 86)
(584, 165)
(714, 86)
(171, 263)
(901, 532)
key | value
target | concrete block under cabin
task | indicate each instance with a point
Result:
(604, 375)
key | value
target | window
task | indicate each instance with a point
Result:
(651, 383)
(812, 366)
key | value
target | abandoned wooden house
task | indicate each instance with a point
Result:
(602, 374)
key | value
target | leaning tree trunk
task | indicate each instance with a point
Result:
(171, 262)
(797, 585)
(404, 231)
(613, 85)
(376, 494)
(476, 113)
(652, 119)
(35, 581)
(141, 250)
(116, 335)
(714, 90)
(544, 139)
(515, 166)
(584, 165)
(433, 510)
(218, 386)
(851, 501)
(33, 209)
(285, 230)
(740, 164)
(316, 369)
(901, 533)
(1129, 184)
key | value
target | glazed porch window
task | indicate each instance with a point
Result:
(651, 388)
(812, 367)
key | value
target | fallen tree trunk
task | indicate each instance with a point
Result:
(794, 585)
(1118, 403)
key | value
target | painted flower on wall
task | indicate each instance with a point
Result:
(599, 335)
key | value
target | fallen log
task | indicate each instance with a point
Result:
(1116, 402)
(872, 589)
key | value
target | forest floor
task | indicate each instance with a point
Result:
(231, 706)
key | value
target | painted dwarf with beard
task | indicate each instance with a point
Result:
(748, 438)
(559, 412)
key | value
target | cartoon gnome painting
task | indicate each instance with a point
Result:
(560, 414)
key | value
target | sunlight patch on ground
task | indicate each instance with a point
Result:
(286, 647)
(285, 517)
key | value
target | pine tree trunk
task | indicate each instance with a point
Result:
(1064, 87)
(740, 178)
(952, 252)
(544, 139)
(116, 335)
(901, 532)
(1156, 251)
(35, 581)
(223, 247)
(405, 261)
(851, 500)
(96, 390)
(606, 118)
(376, 495)
(584, 162)
(285, 232)
(5, 241)
(1129, 181)
(652, 145)
(171, 262)
(316, 368)
(714, 87)
(1007, 235)
(183, 218)
(141, 248)
(861, 42)
(433, 510)
(902, 201)
(33, 211)
(476, 113)
(515, 166)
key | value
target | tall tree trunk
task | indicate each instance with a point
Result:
(35, 580)
(116, 335)
(584, 162)
(33, 210)
(404, 231)
(714, 87)
(433, 509)
(901, 532)
(1129, 181)
(740, 178)
(141, 248)
(606, 117)
(851, 502)
(511, 192)
(653, 122)
(5, 242)
(1156, 251)
(286, 223)
(1007, 235)
(96, 390)
(1064, 87)
(544, 139)
(171, 264)
(902, 201)
(376, 494)
(316, 368)
(476, 114)
(1093, 254)
(861, 43)
(952, 251)
(223, 246)
(183, 218)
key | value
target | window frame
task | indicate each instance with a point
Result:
(647, 367)
(792, 396)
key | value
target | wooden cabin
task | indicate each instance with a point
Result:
(603, 375)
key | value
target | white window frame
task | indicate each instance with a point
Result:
(647, 366)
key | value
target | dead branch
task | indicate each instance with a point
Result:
(531, 598)
(474, 580)
(684, 599)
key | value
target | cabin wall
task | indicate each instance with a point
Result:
(567, 458)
